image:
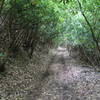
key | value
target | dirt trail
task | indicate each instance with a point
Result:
(69, 80)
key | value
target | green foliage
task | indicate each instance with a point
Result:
(50, 21)
(79, 32)
(33, 22)
(1, 54)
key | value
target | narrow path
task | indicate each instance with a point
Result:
(68, 80)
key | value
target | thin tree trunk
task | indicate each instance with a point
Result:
(91, 29)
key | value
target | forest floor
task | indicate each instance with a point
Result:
(70, 80)
(64, 79)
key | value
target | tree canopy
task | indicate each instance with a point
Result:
(29, 23)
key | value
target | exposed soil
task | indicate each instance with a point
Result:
(63, 79)
(70, 80)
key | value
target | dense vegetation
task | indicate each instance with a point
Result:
(30, 25)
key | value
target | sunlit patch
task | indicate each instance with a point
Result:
(70, 75)
(61, 49)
